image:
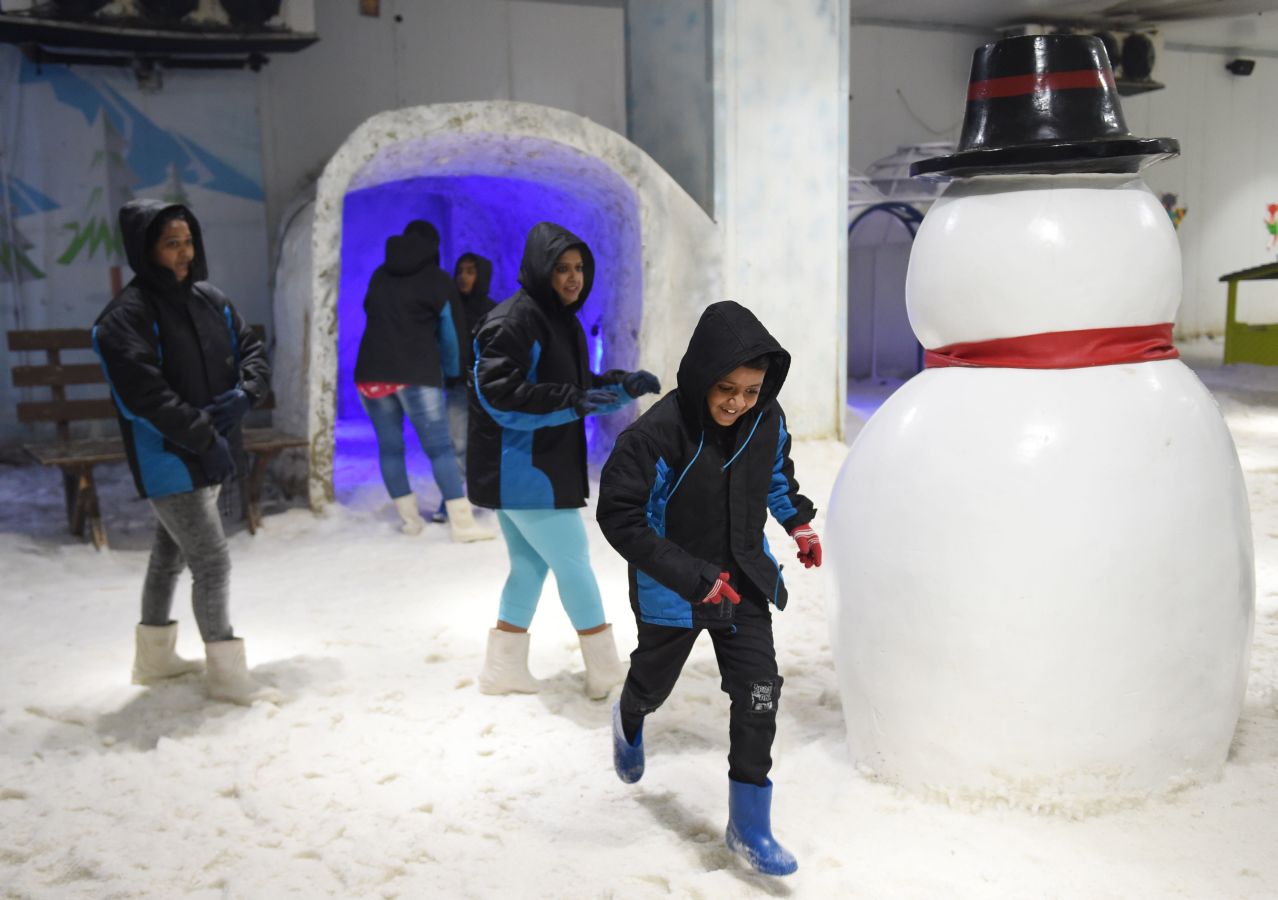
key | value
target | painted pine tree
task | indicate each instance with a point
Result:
(174, 191)
(15, 265)
(99, 228)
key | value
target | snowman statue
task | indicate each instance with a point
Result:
(1044, 556)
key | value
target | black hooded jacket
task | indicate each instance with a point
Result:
(413, 329)
(527, 446)
(168, 349)
(683, 499)
(477, 303)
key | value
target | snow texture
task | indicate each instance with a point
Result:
(387, 774)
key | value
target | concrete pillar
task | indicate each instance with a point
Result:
(781, 88)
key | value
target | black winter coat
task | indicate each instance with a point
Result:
(414, 326)
(168, 349)
(683, 499)
(527, 446)
(476, 304)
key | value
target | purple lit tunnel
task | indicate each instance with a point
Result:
(489, 216)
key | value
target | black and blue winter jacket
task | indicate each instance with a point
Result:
(527, 446)
(168, 349)
(414, 329)
(683, 499)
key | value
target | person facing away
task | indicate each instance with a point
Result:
(184, 369)
(683, 498)
(412, 341)
(473, 275)
(526, 458)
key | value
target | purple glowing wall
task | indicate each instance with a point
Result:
(491, 217)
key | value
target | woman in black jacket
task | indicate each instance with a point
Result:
(184, 370)
(473, 275)
(531, 389)
(412, 341)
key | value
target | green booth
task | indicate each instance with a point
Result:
(1245, 342)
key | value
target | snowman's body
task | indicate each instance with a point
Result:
(1046, 579)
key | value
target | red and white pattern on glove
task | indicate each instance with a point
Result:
(809, 546)
(722, 590)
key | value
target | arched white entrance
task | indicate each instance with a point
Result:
(664, 252)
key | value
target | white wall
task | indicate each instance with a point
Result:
(566, 55)
(781, 191)
(1225, 176)
(907, 85)
(670, 89)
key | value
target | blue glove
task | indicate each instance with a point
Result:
(641, 382)
(592, 400)
(228, 409)
(217, 461)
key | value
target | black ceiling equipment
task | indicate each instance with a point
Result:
(251, 13)
(1241, 66)
(78, 9)
(1138, 57)
(168, 10)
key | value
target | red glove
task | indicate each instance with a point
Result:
(722, 590)
(809, 545)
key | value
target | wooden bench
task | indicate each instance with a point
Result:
(76, 457)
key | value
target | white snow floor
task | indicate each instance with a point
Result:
(386, 773)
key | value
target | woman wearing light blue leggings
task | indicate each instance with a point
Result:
(531, 389)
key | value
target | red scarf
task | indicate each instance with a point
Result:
(1060, 349)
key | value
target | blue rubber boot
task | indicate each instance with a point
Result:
(750, 829)
(627, 758)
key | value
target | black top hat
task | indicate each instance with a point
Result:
(1045, 103)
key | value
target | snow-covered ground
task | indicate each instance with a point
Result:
(387, 774)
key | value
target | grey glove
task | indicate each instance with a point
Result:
(592, 400)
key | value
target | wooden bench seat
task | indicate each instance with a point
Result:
(76, 457)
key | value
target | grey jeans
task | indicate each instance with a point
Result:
(189, 533)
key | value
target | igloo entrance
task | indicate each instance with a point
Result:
(484, 173)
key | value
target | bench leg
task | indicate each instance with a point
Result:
(79, 505)
(70, 490)
(89, 492)
(251, 489)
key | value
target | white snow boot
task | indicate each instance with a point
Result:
(409, 514)
(461, 519)
(604, 670)
(506, 664)
(154, 657)
(228, 676)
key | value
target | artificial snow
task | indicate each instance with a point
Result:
(385, 773)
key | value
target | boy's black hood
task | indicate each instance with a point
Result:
(546, 243)
(407, 253)
(727, 335)
(430, 234)
(483, 274)
(136, 220)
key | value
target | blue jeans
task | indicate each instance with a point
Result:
(459, 421)
(543, 540)
(424, 407)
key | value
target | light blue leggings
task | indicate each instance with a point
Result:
(542, 540)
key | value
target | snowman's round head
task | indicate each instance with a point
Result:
(1010, 255)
